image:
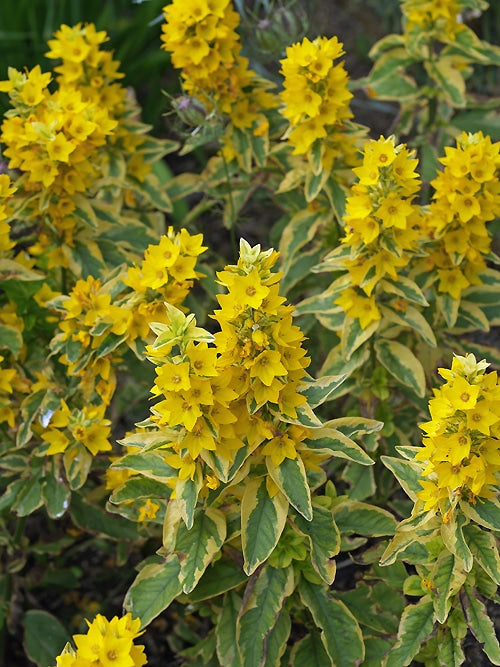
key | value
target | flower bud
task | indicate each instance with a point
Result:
(190, 110)
(280, 27)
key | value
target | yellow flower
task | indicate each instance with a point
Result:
(359, 306)
(462, 450)
(198, 438)
(247, 290)
(148, 510)
(280, 448)
(107, 643)
(452, 282)
(172, 377)
(379, 153)
(267, 365)
(394, 211)
(461, 394)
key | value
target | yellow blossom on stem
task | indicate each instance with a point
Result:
(465, 198)
(382, 227)
(107, 643)
(461, 452)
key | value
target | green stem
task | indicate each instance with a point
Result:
(19, 530)
(232, 229)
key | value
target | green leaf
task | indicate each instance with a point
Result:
(305, 416)
(353, 516)
(84, 211)
(11, 339)
(150, 464)
(314, 183)
(29, 497)
(196, 547)
(454, 540)
(407, 473)
(315, 156)
(341, 634)
(12, 270)
(139, 487)
(352, 426)
(470, 316)
(77, 461)
(44, 637)
(397, 87)
(152, 191)
(290, 477)
(481, 625)
(411, 317)
(450, 82)
(361, 481)
(476, 120)
(260, 148)
(448, 306)
(310, 652)
(335, 364)
(86, 259)
(300, 268)
(259, 614)
(299, 231)
(324, 541)
(484, 550)
(29, 410)
(399, 543)
(389, 63)
(225, 631)
(401, 364)
(447, 577)
(186, 493)
(154, 588)
(336, 443)
(116, 167)
(417, 622)
(376, 648)
(353, 336)
(277, 639)
(450, 650)
(96, 520)
(337, 196)
(262, 522)
(405, 288)
(55, 496)
(220, 576)
(380, 615)
(485, 512)
(318, 391)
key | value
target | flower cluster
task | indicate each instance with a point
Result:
(86, 67)
(11, 385)
(316, 98)
(466, 197)
(461, 448)
(240, 392)
(97, 311)
(78, 428)
(382, 227)
(441, 17)
(6, 192)
(167, 270)
(60, 139)
(257, 333)
(202, 37)
(106, 643)
(53, 137)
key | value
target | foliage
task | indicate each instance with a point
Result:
(287, 388)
